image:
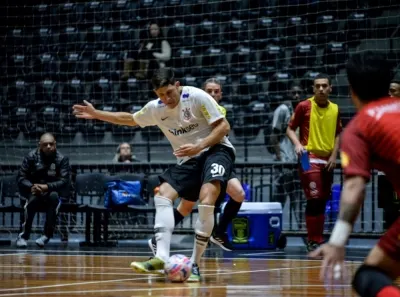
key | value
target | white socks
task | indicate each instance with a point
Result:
(164, 226)
(203, 229)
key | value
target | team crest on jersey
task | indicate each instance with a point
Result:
(186, 114)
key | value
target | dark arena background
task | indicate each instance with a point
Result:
(54, 54)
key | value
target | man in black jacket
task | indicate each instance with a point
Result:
(43, 178)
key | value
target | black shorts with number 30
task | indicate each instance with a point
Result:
(214, 164)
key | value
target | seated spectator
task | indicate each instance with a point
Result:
(394, 89)
(44, 177)
(124, 154)
(152, 54)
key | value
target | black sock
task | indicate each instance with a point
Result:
(230, 211)
(178, 217)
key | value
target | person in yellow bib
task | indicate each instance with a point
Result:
(319, 122)
(234, 189)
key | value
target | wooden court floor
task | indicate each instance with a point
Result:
(106, 272)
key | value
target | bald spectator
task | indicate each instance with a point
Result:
(394, 89)
(43, 178)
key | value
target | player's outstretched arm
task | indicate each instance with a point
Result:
(87, 111)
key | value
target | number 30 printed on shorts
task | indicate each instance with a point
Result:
(217, 170)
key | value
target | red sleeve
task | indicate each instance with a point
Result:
(339, 127)
(355, 152)
(297, 117)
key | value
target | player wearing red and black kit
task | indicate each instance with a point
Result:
(370, 141)
(319, 122)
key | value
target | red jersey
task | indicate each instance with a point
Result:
(318, 125)
(372, 141)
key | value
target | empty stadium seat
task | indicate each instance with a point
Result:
(258, 9)
(173, 10)
(357, 28)
(235, 34)
(130, 91)
(69, 13)
(191, 81)
(152, 133)
(295, 30)
(101, 91)
(97, 38)
(304, 57)
(265, 31)
(271, 60)
(21, 120)
(48, 120)
(43, 41)
(46, 92)
(17, 66)
(102, 64)
(45, 66)
(69, 124)
(243, 60)
(206, 34)
(213, 62)
(99, 127)
(72, 92)
(226, 83)
(325, 29)
(147, 10)
(179, 35)
(278, 86)
(124, 38)
(40, 15)
(70, 39)
(243, 126)
(96, 11)
(223, 11)
(249, 88)
(123, 10)
(183, 61)
(72, 66)
(18, 40)
(334, 57)
(197, 11)
(19, 93)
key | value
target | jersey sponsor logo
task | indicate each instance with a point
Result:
(378, 112)
(186, 95)
(183, 130)
(160, 104)
(205, 112)
(186, 114)
(163, 119)
(344, 158)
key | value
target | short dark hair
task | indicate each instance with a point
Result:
(163, 77)
(323, 76)
(369, 74)
(396, 79)
(212, 80)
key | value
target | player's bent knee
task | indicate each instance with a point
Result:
(370, 280)
(167, 191)
(235, 190)
(209, 192)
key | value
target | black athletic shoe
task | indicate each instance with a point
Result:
(153, 245)
(312, 246)
(222, 241)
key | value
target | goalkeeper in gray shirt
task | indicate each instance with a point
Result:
(286, 180)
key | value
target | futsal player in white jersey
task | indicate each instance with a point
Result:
(194, 125)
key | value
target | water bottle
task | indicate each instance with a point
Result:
(304, 161)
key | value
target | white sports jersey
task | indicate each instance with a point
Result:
(189, 122)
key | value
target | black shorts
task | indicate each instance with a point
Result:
(187, 179)
(233, 174)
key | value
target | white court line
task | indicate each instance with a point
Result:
(147, 277)
(262, 253)
(12, 254)
(206, 258)
(83, 267)
(193, 287)
(96, 252)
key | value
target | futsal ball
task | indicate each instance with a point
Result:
(178, 268)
